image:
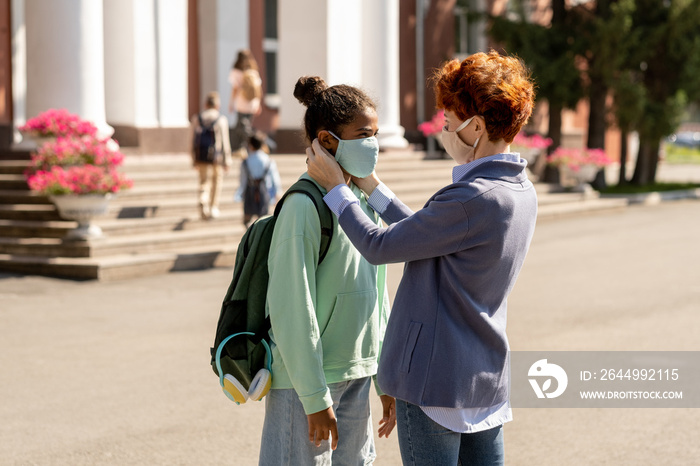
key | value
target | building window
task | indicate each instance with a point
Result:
(270, 48)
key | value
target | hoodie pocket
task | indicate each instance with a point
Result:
(411, 340)
(351, 334)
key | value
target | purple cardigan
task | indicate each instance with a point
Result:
(445, 344)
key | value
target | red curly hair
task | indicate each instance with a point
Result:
(497, 87)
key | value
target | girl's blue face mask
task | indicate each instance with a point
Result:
(358, 157)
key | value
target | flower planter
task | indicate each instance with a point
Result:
(82, 208)
(37, 139)
(570, 178)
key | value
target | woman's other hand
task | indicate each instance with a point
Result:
(367, 184)
(388, 420)
(322, 167)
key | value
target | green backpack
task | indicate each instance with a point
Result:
(241, 354)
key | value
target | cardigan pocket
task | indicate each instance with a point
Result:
(411, 340)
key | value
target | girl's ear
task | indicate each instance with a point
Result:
(327, 141)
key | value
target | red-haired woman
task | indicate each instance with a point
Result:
(445, 352)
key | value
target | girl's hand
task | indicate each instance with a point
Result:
(388, 421)
(322, 167)
(367, 184)
(321, 425)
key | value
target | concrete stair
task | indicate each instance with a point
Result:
(155, 228)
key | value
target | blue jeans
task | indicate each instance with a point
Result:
(423, 441)
(285, 437)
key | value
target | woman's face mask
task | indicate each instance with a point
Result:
(459, 150)
(358, 157)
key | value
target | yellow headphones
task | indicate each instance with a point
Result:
(233, 388)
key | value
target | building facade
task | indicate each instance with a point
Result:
(140, 68)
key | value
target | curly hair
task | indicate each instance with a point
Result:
(329, 108)
(497, 87)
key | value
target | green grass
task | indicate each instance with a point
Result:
(632, 189)
(677, 154)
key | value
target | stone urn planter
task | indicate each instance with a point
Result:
(37, 139)
(575, 179)
(82, 208)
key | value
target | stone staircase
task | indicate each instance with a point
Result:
(154, 227)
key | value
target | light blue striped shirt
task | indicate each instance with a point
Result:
(342, 196)
(462, 420)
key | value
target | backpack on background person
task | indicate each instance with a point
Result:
(251, 87)
(241, 355)
(205, 142)
(256, 198)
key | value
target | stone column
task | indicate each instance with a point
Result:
(131, 63)
(380, 63)
(224, 29)
(146, 73)
(317, 38)
(19, 68)
(65, 58)
(171, 40)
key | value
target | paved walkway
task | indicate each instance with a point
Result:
(118, 373)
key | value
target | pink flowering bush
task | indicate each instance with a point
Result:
(58, 123)
(67, 151)
(574, 159)
(77, 165)
(532, 142)
(434, 126)
(78, 179)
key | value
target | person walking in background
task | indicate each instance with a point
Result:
(327, 318)
(245, 100)
(260, 180)
(445, 352)
(211, 154)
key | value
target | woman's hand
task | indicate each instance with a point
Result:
(367, 184)
(388, 421)
(322, 167)
(321, 425)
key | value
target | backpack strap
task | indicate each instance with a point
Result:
(210, 125)
(324, 213)
(267, 169)
(252, 180)
(244, 164)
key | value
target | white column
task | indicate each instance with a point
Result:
(381, 67)
(131, 63)
(65, 58)
(171, 39)
(302, 51)
(344, 51)
(223, 30)
(19, 67)
(317, 38)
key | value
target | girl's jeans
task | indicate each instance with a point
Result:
(285, 437)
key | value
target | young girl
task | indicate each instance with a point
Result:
(327, 319)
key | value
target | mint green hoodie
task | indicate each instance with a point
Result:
(327, 323)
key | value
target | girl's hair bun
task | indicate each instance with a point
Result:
(308, 88)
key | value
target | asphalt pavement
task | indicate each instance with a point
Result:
(118, 373)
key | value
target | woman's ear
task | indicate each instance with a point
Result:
(327, 141)
(480, 127)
